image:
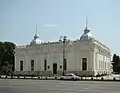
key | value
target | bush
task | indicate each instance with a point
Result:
(102, 75)
(38, 77)
(83, 75)
(55, 77)
(24, 77)
(102, 78)
(105, 74)
(81, 78)
(32, 75)
(98, 75)
(12, 76)
(91, 75)
(18, 76)
(91, 78)
(6, 76)
(114, 78)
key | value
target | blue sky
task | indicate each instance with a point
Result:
(18, 19)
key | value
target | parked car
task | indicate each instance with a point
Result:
(69, 76)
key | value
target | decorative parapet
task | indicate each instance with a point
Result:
(102, 44)
(45, 43)
(102, 49)
(23, 46)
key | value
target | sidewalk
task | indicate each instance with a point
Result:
(109, 77)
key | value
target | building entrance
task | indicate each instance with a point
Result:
(54, 68)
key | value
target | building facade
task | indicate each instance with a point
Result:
(85, 56)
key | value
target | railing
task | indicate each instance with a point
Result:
(102, 44)
(56, 78)
(44, 43)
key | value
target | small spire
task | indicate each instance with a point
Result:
(36, 28)
(86, 22)
(86, 26)
(36, 34)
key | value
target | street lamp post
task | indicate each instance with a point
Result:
(64, 39)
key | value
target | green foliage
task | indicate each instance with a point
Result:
(81, 78)
(98, 75)
(83, 75)
(18, 76)
(116, 63)
(7, 57)
(114, 78)
(91, 78)
(91, 75)
(102, 78)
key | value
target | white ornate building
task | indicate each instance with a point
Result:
(85, 56)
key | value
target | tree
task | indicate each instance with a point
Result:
(116, 63)
(7, 56)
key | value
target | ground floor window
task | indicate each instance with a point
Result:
(54, 68)
(32, 65)
(45, 64)
(65, 64)
(21, 65)
(84, 63)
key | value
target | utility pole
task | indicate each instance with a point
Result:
(64, 40)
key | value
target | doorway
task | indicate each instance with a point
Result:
(54, 68)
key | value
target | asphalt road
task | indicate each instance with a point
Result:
(55, 86)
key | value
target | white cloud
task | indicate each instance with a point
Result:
(49, 25)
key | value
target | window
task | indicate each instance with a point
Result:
(103, 64)
(69, 75)
(99, 64)
(84, 63)
(32, 65)
(108, 66)
(48, 67)
(21, 65)
(54, 68)
(65, 64)
(96, 61)
(45, 64)
(60, 67)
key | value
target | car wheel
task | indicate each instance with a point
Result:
(61, 78)
(73, 79)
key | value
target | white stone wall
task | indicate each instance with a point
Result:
(53, 53)
(83, 50)
(102, 58)
(74, 52)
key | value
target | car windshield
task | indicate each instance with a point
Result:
(69, 75)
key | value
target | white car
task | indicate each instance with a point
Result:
(69, 76)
